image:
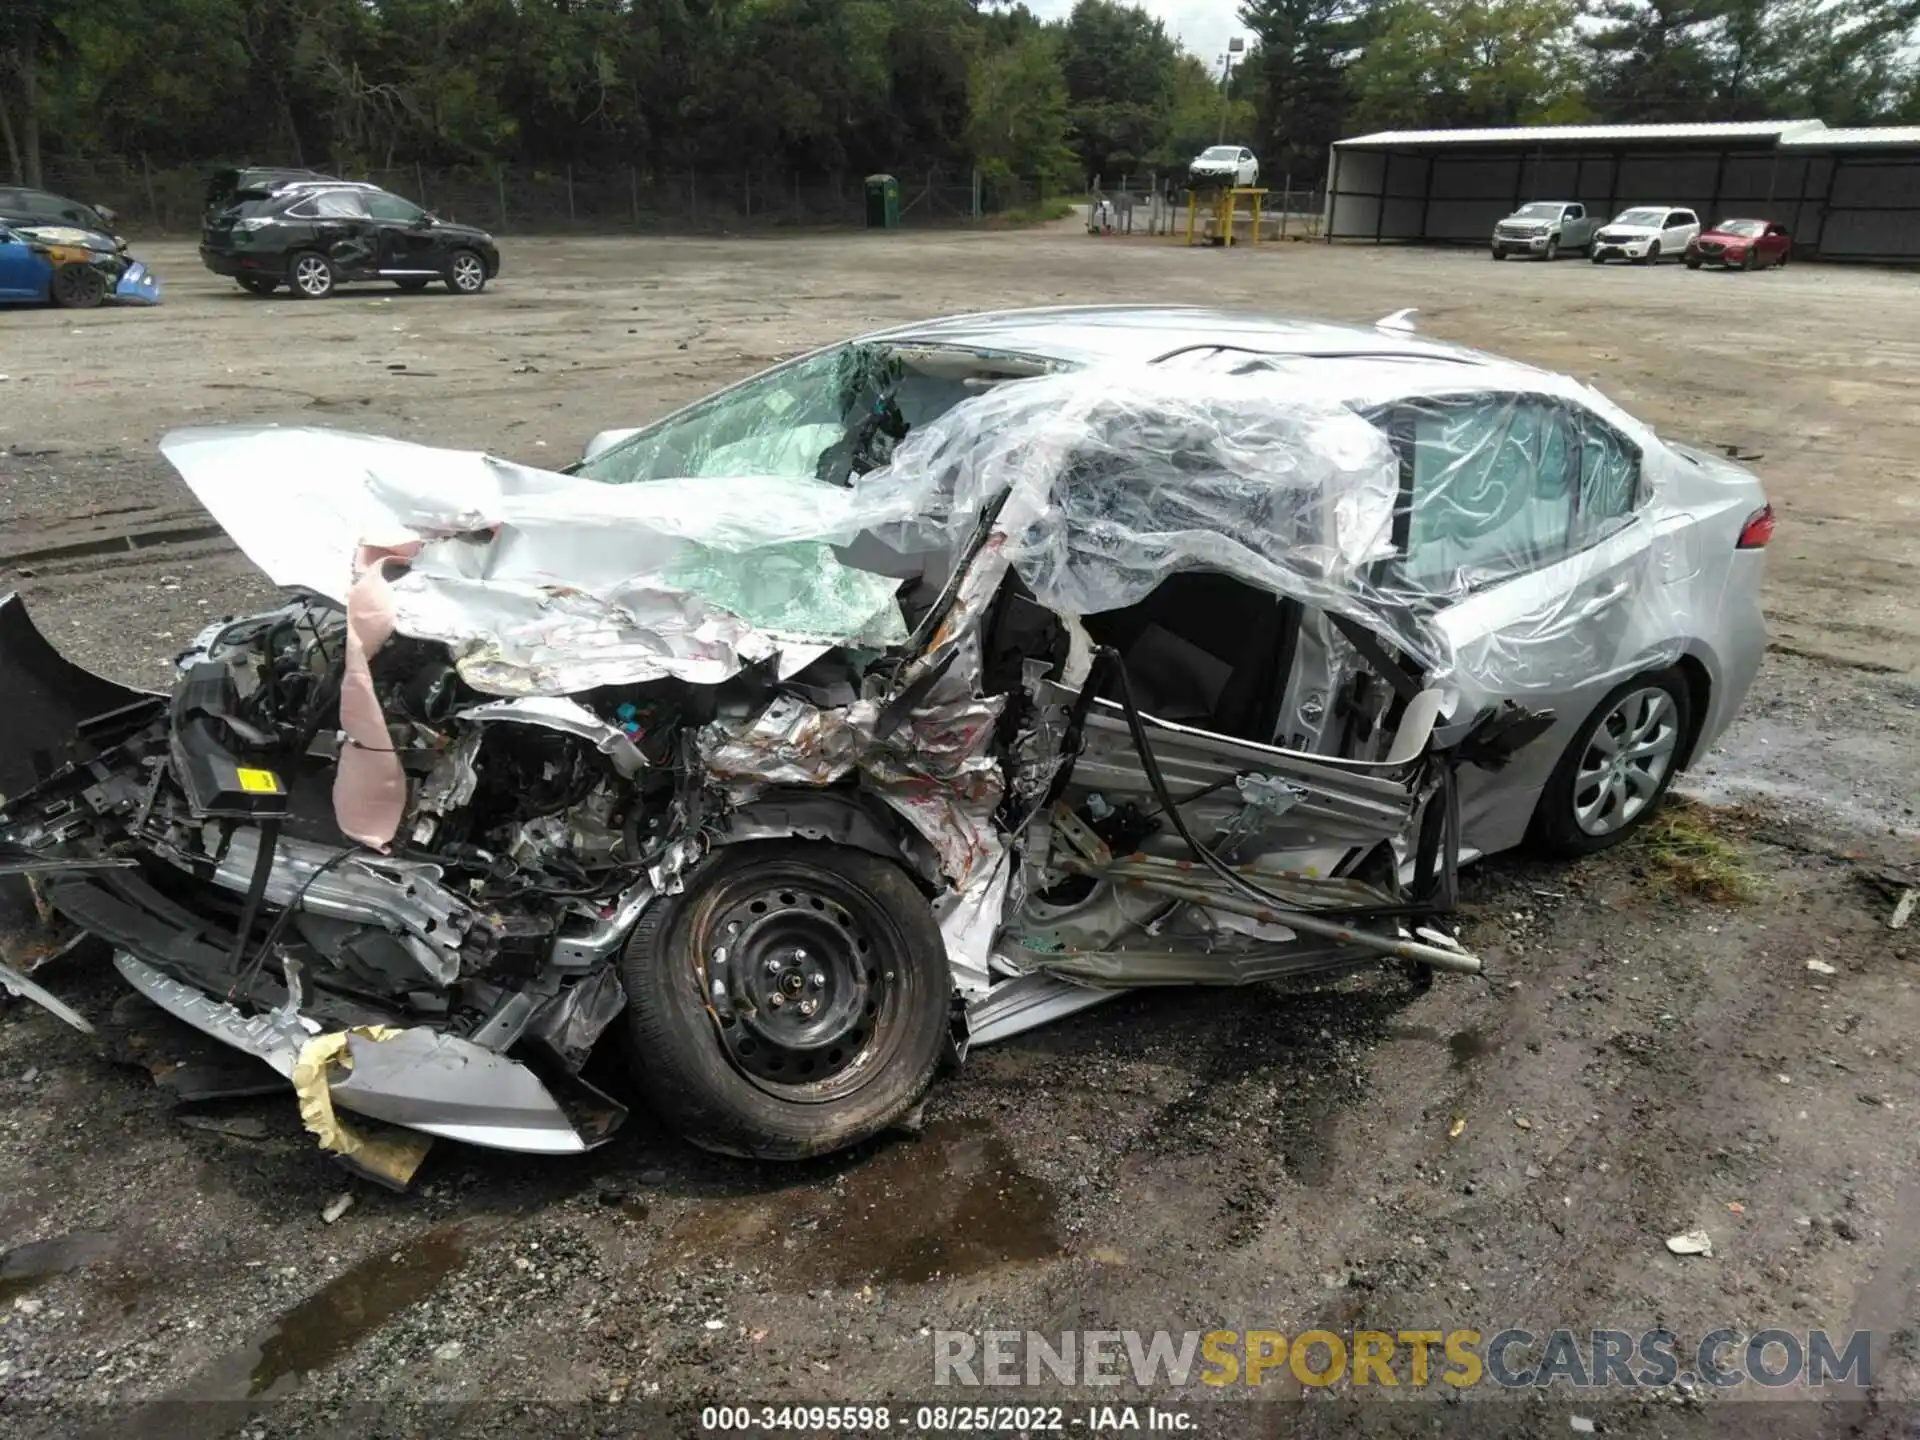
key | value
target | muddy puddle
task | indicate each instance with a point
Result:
(26, 1266)
(953, 1202)
(330, 1322)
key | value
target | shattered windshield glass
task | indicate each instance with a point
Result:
(827, 416)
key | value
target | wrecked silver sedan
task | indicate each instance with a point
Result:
(911, 694)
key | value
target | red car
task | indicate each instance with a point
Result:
(1749, 244)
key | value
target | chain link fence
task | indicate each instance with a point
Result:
(1159, 205)
(530, 200)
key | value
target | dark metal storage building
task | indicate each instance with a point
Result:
(1843, 194)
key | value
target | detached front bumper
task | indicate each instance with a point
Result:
(438, 1084)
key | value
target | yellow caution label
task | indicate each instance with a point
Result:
(259, 782)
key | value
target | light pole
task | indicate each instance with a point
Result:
(1234, 47)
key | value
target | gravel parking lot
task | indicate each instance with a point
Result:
(1651, 1054)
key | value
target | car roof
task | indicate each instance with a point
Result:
(1139, 334)
(14, 194)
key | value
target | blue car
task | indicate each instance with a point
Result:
(70, 267)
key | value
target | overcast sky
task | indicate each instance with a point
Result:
(1201, 25)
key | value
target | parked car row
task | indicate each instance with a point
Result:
(264, 226)
(1642, 235)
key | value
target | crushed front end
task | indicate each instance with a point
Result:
(427, 836)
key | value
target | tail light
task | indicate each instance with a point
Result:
(1758, 530)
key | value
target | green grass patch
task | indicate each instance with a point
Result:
(1688, 853)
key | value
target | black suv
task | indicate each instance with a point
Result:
(311, 237)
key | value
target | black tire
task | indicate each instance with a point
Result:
(1556, 825)
(1692, 263)
(1553, 248)
(1498, 253)
(1652, 257)
(878, 973)
(1750, 261)
(466, 273)
(1596, 257)
(310, 275)
(77, 287)
(256, 285)
(414, 282)
(1781, 263)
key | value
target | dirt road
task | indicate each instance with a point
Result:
(1652, 1054)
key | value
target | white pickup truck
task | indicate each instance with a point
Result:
(1544, 228)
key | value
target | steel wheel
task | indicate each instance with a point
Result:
(798, 990)
(312, 277)
(1627, 761)
(78, 287)
(791, 1000)
(466, 275)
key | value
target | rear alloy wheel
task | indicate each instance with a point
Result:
(256, 285)
(466, 273)
(78, 287)
(791, 1001)
(1618, 768)
(311, 276)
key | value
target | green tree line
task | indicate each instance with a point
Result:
(819, 86)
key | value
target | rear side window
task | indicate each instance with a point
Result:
(1609, 479)
(1492, 489)
(1496, 485)
(330, 205)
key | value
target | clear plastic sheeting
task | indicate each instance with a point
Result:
(1118, 478)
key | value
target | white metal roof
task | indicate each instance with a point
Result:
(1524, 135)
(1866, 137)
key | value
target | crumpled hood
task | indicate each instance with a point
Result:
(545, 583)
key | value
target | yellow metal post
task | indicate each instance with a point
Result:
(1223, 215)
(1193, 211)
